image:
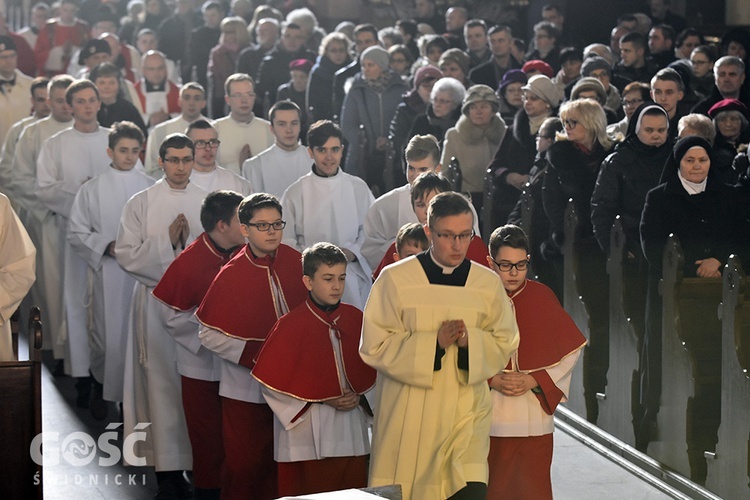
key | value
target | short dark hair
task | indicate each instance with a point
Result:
(124, 130)
(199, 125)
(212, 5)
(638, 40)
(549, 29)
(193, 86)
(427, 183)
(552, 6)
(285, 105)
(40, 82)
(667, 31)
(687, 33)
(447, 204)
(508, 235)
(570, 54)
(626, 18)
(475, 23)
(322, 130)
(500, 27)
(104, 70)
(77, 86)
(176, 141)
(406, 25)
(368, 28)
(255, 202)
(321, 253)
(669, 75)
(219, 206)
(413, 233)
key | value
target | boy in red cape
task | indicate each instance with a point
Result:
(537, 377)
(258, 286)
(314, 381)
(181, 291)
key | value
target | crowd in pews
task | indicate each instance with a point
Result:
(203, 184)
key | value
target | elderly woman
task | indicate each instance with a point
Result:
(371, 101)
(455, 64)
(599, 68)
(443, 111)
(334, 55)
(510, 94)
(223, 60)
(515, 157)
(732, 131)
(475, 139)
(574, 162)
(589, 87)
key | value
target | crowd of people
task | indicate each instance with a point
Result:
(205, 196)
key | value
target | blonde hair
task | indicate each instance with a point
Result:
(331, 38)
(590, 116)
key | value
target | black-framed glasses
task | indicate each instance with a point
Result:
(200, 144)
(174, 160)
(463, 237)
(570, 123)
(265, 226)
(506, 267)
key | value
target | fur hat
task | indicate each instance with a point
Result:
(478, 93)
(589, 83)
(378, 55)
(542, 87)
(457, 56)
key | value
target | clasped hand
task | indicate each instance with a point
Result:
(453, 331)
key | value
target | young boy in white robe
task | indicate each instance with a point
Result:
(156, 225)
(330, 205)
(92, 230)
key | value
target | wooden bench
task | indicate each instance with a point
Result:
(729, 467)
(618, 404)
(690, 406)
(21, 419)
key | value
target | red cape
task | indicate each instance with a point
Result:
(190, 275)
(240, 302)
(548, 335)
(173, 96)
(477, 252)
(298, 359)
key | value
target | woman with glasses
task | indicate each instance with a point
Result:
(536, 379)
(515, 157)
(443, 111)
(574, 165)
(333, 55)
(633, 95)
(401, 60)
(510, 94)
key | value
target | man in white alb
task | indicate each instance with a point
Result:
(278, 167)
(206, 173)
(242, 133)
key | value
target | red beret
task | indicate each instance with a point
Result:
(540, 66)
(727, 105)
(300, 65)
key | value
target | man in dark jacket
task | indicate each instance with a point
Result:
(202, 40)
(491, 73)
(729, 77)
(274, 69)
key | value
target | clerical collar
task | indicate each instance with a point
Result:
(436, 274)
(156, 88)
(319, 174)
(445, 269)
(225, 251)
(324, 307)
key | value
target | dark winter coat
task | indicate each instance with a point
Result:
(320, 89)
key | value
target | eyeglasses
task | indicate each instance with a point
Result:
(463, 237)
(506, 267)
(245, 95)
(176, 161)
(265, 226)
(214, 143)
(630, 103)
(570, 123)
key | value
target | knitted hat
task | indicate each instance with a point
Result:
(457, 56)
(727, 105)
(93, 46)
(592, 63)
(378, 55)
(478, 93)
(512, 76)
(7, 43)
(303, 65)
(540, 66)
(542, 87)
(424, 73)
(589, 83)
